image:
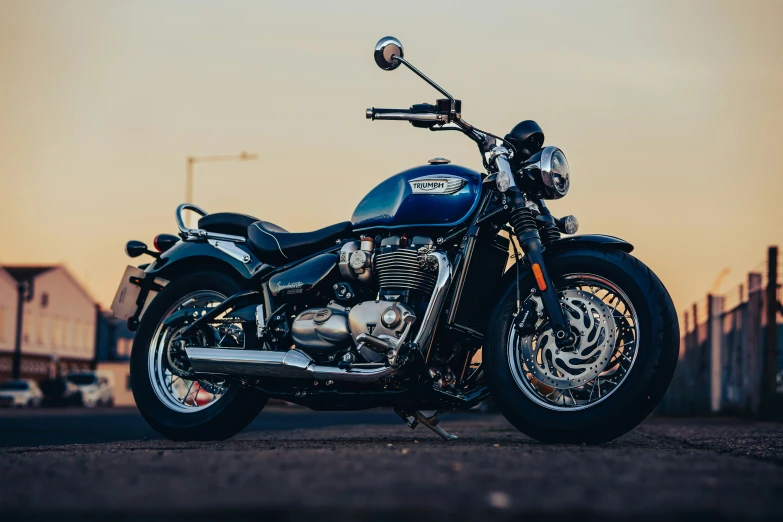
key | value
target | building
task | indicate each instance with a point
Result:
(8, 306)
(112, 354)
(55, 332)
(114, 339)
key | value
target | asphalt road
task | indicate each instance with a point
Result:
(298, 465)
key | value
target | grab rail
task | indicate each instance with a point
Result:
(198, 233)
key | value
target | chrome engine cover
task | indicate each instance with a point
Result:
(356, 260)
(322, 329)
(383, 319)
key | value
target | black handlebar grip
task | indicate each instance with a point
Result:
(372, 112)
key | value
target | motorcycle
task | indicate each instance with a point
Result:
(447, 287)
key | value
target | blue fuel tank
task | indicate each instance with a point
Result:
(441, 195)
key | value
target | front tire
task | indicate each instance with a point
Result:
(232, 408)
(545, 396)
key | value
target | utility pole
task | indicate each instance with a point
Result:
(190, 161)
(24, 294)
(770, 363)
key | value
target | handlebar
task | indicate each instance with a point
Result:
(447, 111)
(405, 115)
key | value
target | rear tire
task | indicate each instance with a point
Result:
(644, 384)
(230, 414)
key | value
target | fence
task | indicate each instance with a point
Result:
(731, 359)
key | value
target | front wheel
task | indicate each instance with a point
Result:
(177, 403)
(627, 347)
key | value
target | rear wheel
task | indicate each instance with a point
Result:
(628, 341)
(176, 402)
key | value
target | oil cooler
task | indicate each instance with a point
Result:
(476, 288)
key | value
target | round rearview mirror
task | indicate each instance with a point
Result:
(387, 50)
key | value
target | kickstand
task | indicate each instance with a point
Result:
(417, 417)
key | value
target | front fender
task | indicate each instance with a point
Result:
(589, 240)
(570, 243)
(187, 256)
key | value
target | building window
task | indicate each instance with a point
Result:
(124, 347)
(57, 333)
(67, 332)
(3, 325)
(86, 344)
(44, 300)
(77, 334)
(39, 337)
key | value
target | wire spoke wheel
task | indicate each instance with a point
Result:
(173, 381)
(607, 330)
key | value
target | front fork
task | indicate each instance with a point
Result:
(525, 229)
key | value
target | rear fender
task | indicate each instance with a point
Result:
(189, 256)
(193, 256)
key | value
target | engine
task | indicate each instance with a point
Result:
(406, 272)
(405, 275)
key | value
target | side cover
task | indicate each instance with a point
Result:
(304, 277)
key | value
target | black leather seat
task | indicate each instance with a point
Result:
(276, 246)
(226, 223)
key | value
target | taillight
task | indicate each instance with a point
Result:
(163, 242)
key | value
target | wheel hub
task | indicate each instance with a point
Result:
(592, 324)
(176, 357)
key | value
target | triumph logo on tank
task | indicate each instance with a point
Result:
(428, 186)
(443, 185)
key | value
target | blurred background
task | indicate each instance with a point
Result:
(669, 112)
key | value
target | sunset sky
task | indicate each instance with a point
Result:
(670, 114)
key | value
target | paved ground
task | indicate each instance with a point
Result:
(300, 465)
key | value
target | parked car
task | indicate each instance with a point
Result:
(59, 391)
(20, 393)
(95, 389)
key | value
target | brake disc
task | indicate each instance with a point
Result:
(593, 325)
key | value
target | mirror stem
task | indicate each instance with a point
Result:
(426, 79)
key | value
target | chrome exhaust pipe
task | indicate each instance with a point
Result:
(250, 363)
(292, 364)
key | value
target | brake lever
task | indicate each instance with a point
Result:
(446, 128)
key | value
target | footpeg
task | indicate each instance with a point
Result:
(417, 417)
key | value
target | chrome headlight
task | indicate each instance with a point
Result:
(548, 172)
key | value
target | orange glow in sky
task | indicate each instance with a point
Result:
(670, 114)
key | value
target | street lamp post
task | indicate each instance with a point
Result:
(190, 161)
